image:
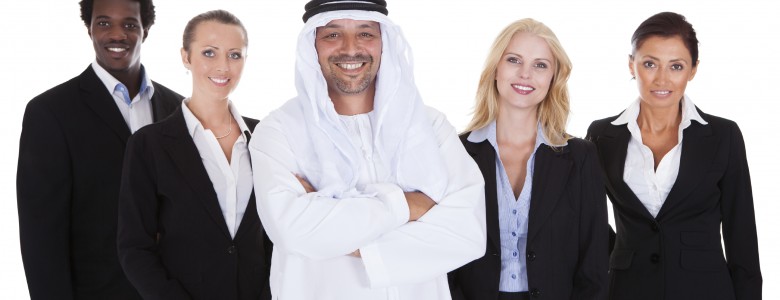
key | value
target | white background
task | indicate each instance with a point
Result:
(45, 43)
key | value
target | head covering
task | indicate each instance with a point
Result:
(402, 134)
(318, 6)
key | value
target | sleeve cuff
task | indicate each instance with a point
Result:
(375, 267)
(392, 196)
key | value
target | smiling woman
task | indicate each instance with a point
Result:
(186, 202)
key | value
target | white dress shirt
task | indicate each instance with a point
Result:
(649, 184)
(137, 112)
(314, 234)
(232, 180)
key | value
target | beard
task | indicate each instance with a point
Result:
(353, 84)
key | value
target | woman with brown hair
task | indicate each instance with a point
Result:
(676, 177)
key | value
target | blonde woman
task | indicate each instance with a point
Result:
(546, 208)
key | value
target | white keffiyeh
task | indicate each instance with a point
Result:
(402, 132)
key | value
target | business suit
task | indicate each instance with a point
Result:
(566, 252)
(678, 254)
(70, 159)
(173, 240)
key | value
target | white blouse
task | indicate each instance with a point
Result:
(652, 185)
(232, 180)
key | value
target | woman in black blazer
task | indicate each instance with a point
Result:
(188, 226)
(676, 177)
(546, 210)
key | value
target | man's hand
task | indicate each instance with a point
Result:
(419, 204)
(305, 183)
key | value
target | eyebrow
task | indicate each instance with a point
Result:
(102, 17)
(541, 58)
(673, 60)
(363, 25)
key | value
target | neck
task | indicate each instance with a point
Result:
(516, 126)
(208, 111)
(659, 118)
(353, 104)
(131, 78)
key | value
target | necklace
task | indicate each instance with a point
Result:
(230, 127)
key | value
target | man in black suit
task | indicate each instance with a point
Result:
(70, 158)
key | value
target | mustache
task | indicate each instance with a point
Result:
(351, 58)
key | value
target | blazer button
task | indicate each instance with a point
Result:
(530, 256)
(655, 258)
(231, 249)
(655, 227)
(535, 293)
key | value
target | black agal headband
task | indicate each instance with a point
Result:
(319, 6)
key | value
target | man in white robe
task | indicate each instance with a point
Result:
(365, 191)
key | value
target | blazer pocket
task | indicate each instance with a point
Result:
(702, 260)
(621, 259)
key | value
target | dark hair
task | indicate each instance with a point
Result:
(221, 16)
(147, 12)
(667, 24)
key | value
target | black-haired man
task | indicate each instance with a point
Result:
(70, 158)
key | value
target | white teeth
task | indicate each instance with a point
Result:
(350, 66)
(219, 81)
(662, 92)
(117, 49)
(524, 88)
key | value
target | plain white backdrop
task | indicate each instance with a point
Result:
(45, 43)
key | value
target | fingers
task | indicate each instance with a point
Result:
(305, 183)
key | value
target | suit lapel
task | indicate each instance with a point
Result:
(161, 109)
(182, 150)
(551, 173)
(697, 154)
(97, 98)
(613, 147)
(485, 157)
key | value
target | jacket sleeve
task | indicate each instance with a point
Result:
(590, 277)
(592, 137)
(137, 226)
(449, 235)
(311, 224)
(43, 194)
(739, 221)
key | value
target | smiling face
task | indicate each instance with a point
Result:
(216, 59)
(662, 67)
(349, 53)
(117, 34)
(525, 72)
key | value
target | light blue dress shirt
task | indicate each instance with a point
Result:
(512, 213)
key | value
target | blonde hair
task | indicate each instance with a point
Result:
(553, 112)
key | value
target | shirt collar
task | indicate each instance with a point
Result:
(193, 124)
(489, 133)
(111, 83)
(689, 113)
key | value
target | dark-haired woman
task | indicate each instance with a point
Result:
(188, 226)
(676, 177)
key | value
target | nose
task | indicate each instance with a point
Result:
(223, 64)
(661, 77)
(117, 33)
(350, 46)
(524, 71)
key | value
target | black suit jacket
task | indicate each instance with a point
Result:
(173, 240)
(678, 254)
(70, 160)
(566, 252)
